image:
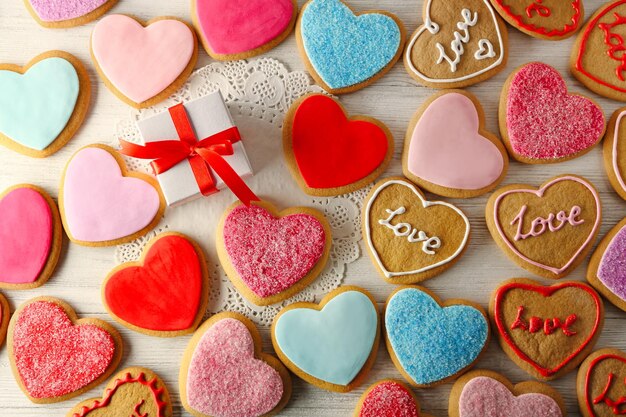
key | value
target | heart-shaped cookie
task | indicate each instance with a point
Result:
(103, 204)
(546, 330)
(240, 29)
(346, 51)
(544, 19)
(224, 372)
(134, 392)
(541, 122)
(54, 355)
(447, 150)
(547, 231)
(30, 236)
(143, 63)
(600, 383)
(54, 89)
(67, 13)
(171, 264)
(388, 398)
(5, 315)
(614, 150)
(333, 344)
(607, 267)
(409, 238)
(431, 341)
(483, 393)
(330, 154)
(459, 44)
(270, 255)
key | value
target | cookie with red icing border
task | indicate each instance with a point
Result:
(133, 391)
(67, 13)
(388, 398)
(5, 315)
(546, 330)
(171, 264)
(600, 383)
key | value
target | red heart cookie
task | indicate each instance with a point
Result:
(173, 265)
(54, 355)
(388, 398)
(329, 153)
(601, 384)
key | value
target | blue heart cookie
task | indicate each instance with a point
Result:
(431, 342)
(345, 49)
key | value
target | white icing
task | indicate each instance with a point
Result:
(615, 155)
(461, 37)
(485, 50)
(405, 229)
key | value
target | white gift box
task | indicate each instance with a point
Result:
(208, 116)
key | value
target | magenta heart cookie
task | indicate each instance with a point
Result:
(67, 13)
(237, 29)
(447, 150)
(224, 372)
(270, 256)
(101, 203)
(541, 123)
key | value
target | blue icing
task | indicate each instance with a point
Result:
(346, 49)
(35, 107)
(332, 344)
(430, 342)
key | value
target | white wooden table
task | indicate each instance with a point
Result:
(393, 100)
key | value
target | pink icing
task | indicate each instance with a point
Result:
(53, 356)
(543, 121)
(141, 62)
(270, 254)
(487, 397)
(389, 399)
(446, 148)
(99, 203)
(59, 10)
(225, 380)
(26, 235)
(236, 26)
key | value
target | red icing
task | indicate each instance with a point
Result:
(171, 268)
(549, 326)
(546, 292)
(332, 151)
(389, 399)
(53, 356)
(618, 407)
(536, 8)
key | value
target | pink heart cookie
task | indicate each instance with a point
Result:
(541, 123)
(101, 203)
(143, 65)
(67, 13)
(447, 150)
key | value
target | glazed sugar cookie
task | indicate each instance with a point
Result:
(104, 204)
(31, 236)
(546, 330)
(132, 392)
(543, 19)
(482, 393)
(5, 315)
(388, 398)
(409, 238)
(447, 150)
(346, 51)
(547, 231)
(541, 123)
(615, 152)
(332, 345)
(353, 151)
(67, 13)
(224, 372)
(143, 63)
(54, 89)
(56, 356)
(240, 29)
(171, 264)
(459, 44)
(432, 342)
(270, 255)
(600, 384)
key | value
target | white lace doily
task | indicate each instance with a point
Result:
(258, 94)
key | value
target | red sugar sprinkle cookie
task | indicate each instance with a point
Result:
(388, 398)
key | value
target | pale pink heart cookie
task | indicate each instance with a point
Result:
(270, 256)
(541, 123)
(143, 65)
(102, 204)
(67, 13)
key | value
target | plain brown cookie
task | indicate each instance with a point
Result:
(600, 384)
(5, 315)
(614, 150)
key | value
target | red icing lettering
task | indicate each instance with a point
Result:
(615, 405)
(538, 8)
(549, 326)
(615, 43)
(552, 223)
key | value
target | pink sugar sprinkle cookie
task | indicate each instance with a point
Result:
(67, 13)
(224, 373)
(388, 398)
(541, 122)
(56, 356)
(269, 255)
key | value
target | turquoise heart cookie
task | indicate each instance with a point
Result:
(331, 344)
(36, 106)
(431, 342)
(345, 49)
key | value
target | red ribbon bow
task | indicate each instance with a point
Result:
(203, 155)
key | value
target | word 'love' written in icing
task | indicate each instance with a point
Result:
(540, 225)
(549, 326)
(413, 235)
(618, 407)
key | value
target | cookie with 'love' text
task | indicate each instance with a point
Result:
(601, 385)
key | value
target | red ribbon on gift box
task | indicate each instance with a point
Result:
(203, 155)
